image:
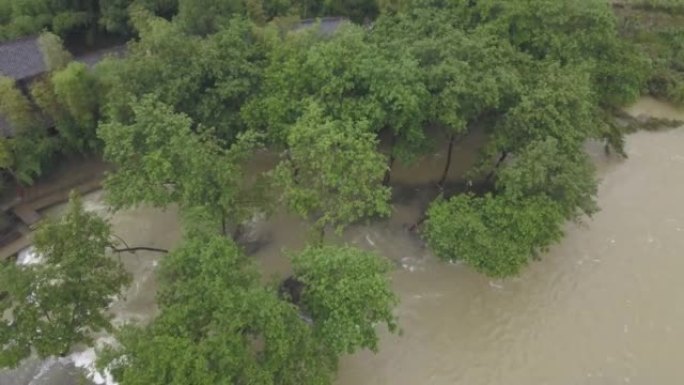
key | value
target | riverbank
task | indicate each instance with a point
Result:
(23, 206)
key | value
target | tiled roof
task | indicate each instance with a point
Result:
(21, 59)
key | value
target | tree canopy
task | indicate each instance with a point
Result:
(218, 324)
(207, 85)
(495, 234)
(542, 168)
(207, 79)
(27, 147)
(332, 173)
(19, 18)
(63, 300)
(348, 78)
(346, 293)
(161, 160)
(238, 331)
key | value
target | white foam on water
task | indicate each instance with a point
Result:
(28, 256)
(85, 360)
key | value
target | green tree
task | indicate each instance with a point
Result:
(208, 79)
(255, 11)
(349, 78)
(203, 17)
(346, 293)
(541, 168)
(655, 29)
(26, 17)
(15, 106)
(76, 88)
(31, 16)
(495, 234)
(555, 102)
(32, 153)
(469, 75)
(63, 300)
(54, 54)
(70, 98)
(27, 144)
(332, 173)
(392, 6)
(114, 15)
(217, 324)
(160, 161)
(574, 33)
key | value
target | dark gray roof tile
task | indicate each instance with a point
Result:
(21, 59)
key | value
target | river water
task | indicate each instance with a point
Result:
(604, 306)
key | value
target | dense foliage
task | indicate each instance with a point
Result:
(656, 27)
(496, 234)
(162, 161)
(206, 84)
(346, 293)
(332, 173)
(62, 300)
(28, 149)
(92, 17)
(19, 18)
(218, 324)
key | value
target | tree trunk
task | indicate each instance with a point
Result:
(295, 169)
(223, 225)
(445, 173)
(321, 236)
(92, 9)
(237, 233)
(388, 173)
(503, 156)
(390, 164)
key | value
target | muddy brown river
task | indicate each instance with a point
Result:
(604, 306)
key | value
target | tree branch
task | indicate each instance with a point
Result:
(130, 249)
(139, 248)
